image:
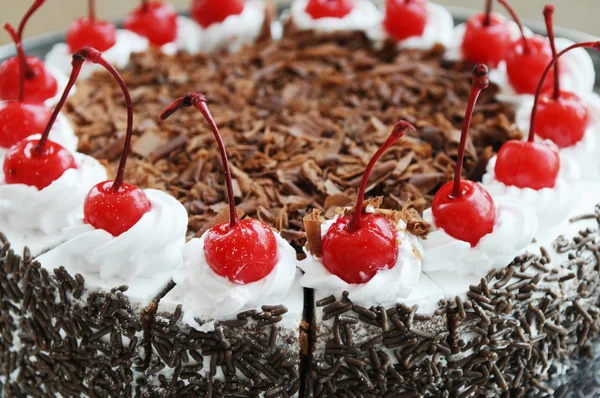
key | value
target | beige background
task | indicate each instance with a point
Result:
(56, 14)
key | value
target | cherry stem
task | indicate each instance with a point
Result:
(548, 14)
(198, 101)
(29, 74)
(145, 5)
(590, 44)
(77, 62)
(480, 82)
(93, 55)
(34, 7)
(517, 20)
(22, 59)
(395, 135)
(488, 12)
(92, 10)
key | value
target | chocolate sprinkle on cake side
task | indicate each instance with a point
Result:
(512, 335)
(60, 338)
(519, 324)
(301, 118)
(247, 356)
(53, 342)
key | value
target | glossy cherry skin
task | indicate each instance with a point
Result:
(329, 8)
(244, 253)
(405, 19)
(115, 212)
(469, 217)
(526, 164)
(208, 12)
(158, 23)
(23, 164)
(19, 120)
(487, 44)
(525, 70)
(356, 257)
(84, 32)
(563, 120)
(39, 87)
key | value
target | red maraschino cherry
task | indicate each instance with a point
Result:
(18, 119)
(155, 21)
(242, 251)
(356, 248)
(526, 58)
(329, 8)
(532, 164)
(208, 12)
(487, 38)
(562, 117)
(90, 32)
(405, 18)
(113, 206)
(463, 209)
(39, 85)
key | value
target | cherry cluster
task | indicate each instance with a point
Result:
(113, 206)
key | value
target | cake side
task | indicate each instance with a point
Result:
(515, 331)
(63, 337)
(251, 355)
(59, 338)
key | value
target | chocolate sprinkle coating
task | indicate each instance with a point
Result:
(59, 338)
(508, 339)
(248, 356)
(53, 341)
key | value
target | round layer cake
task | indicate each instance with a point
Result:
(302, 104)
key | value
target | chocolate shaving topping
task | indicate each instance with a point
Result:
(300, 117)
(312, 225)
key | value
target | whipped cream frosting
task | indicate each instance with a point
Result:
(169, 48)
(60, 57)
(551, 205)
(388, 286)
(232, 34)
(208, 296)
(439, 29)
(516, 226)
(140, 44)
(36, 218)
(152, 246)
(55, 207)
(364, 17)
(577, 74)
(585, 152)
(62, 133)
(454, 285)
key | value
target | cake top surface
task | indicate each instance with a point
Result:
(300, 117)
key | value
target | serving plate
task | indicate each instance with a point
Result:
(584, 382)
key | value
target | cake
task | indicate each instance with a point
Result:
(297, 236)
